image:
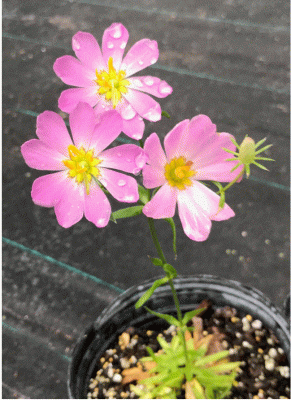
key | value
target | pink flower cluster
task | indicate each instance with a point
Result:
(85, 169)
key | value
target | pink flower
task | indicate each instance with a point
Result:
(193, 153)
(82, 163)
(104, 78)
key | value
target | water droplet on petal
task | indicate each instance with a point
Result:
(140, 62)
(104, 183)
(101, 221)
(76, 44)
(137, 136)
(119, 154)
(152, 44)
(140, 160)
(138, 83)
(128, 112)
(123, 45)
(153, 115)
(149, 81)
(116, 32)
(165, 88)
(136, 171)
(128, 198)
(128, 160)
(121, 182)
(153, 60)
(110, 45)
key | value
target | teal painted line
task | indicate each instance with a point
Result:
(19, 332)
(271, 184)
(210, 77)
(34, 41)
(61, 264)
(179, 15)
(179, 71)
(34, 114)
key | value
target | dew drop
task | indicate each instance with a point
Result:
(153, 60)
(138, 83)
(149, 81)
(140, 160)
(123, 45)
(152, 44)
(101, 221)
(104, 183)
(153, 115)
(128, 198)
(128, 160)
(121, 183)
(76, 44)
(119, 154)
(43, 49)
(128, 112)
(140, 62)
(136, 171)
(110, 45)
(116, 33)
(165, 89)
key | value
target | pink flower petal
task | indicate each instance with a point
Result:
(155, 152)
(174, 140)
(153, 177)
(208, 201)
(72, 72)
(114, 42)
(145, 105)
(151, 85)
(127, 158)
(40, 156)
(82, 123)
(70, 208)
(47, 190)
(141, 55)
(134, 128)
(97, 207)
(106, 131)
(218, 172)
(51, 130)
(163, 204)
(103, 106)
(88, 51)
(122, 187)
(212, 152)
(69, 98)
(125, 109)
(195, 223)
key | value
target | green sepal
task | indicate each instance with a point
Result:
(150, 291)
(173, 226)
(165, 114)
(170, 271)
(156, 261)
(190, 314)
(169, 318)
(144, 194)
(126, 212)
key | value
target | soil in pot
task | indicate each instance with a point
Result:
(263, 373)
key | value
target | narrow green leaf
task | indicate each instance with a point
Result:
(156, 261)
(170, 271)
(173, 226)
(260, 142)
(265, 158)
(169, 318)
(234, 142)
(127, 212)
(225, 367)
(165, 114)
(190, 314)
(230, 151)
(264, 149)
(260, 166)
(150, 291)
(211, 358)
(144, 194)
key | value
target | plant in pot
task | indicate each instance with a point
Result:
(197, 337)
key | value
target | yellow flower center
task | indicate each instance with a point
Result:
(82, 165)
(178, 172)
(112, 83)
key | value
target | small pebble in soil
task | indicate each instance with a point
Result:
(263, 374)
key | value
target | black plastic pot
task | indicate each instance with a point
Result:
(191, 291)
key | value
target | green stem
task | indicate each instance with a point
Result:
(235, 180)
(176, 300)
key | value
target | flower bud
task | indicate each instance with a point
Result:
(247, 151)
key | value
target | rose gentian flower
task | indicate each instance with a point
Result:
(82, 163)
(193, 152)
(104, 78)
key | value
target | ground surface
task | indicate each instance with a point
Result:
(226, 59)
